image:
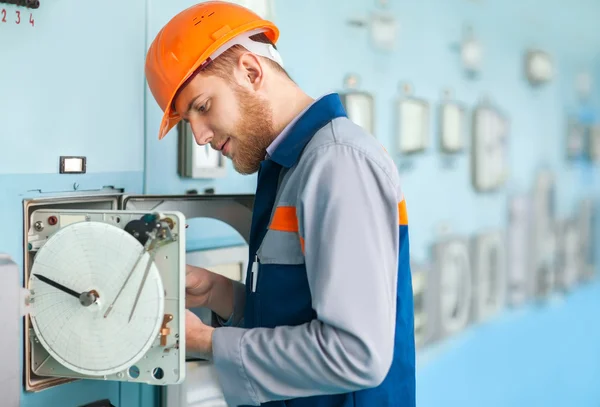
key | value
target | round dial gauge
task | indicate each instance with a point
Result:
(76, 275)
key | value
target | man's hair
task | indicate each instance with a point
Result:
(223, 65)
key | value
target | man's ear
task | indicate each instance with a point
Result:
(250, 71)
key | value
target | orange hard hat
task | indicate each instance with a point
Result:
(192, 39)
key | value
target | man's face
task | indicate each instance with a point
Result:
(232, 118)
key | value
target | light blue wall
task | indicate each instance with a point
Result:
(73, 84)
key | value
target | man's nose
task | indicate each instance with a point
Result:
(202, 133)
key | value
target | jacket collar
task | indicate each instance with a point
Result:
(320, 113)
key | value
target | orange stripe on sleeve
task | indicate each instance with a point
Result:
(285, 219)
(402, 215)
(302, 244)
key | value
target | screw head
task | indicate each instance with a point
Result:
(38, 226)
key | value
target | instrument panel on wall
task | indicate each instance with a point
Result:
(594, 144)
(575, 139)
(489, 274)
(452, 127)
(539, 67)
(360, 108)
(489, 149)
(451, 280)
(421, 302)
(586, 222)
(472, 279)
(126, 322)
(56, 228)
(569, 261)
(519, 249)
(543, 236)
(412, 124)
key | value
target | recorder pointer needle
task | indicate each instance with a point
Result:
(57, 285)
(86, 298)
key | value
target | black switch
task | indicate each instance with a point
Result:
(99, 403)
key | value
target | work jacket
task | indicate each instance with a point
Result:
(325, 317)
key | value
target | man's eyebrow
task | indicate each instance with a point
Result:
(191, 104)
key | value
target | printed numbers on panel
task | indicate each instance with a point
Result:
(16, 17)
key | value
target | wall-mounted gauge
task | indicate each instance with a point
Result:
(569, 262)
(489, 274)
(543, 269)
(451, 287)
(412, 126)
(359, 107)
(471, 53)
(489, 150)
(422, 304)
(519, 247)
(359, 104)
(594, 144)
(588, 241)
(384, 29)
(539, 67)
(575, 141)
(452, 126)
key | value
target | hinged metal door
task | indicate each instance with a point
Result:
(235, 210)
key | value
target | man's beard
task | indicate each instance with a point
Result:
(253, 133)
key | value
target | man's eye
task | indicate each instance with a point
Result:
(201, 108)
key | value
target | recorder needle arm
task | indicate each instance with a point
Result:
(58, 286)
(109, 309)
(86, 298)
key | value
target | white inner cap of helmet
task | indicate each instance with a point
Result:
(258, 48)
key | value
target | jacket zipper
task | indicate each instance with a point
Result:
(255, 273)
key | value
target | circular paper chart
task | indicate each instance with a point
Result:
(94, 257)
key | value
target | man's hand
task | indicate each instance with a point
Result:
(198, 285)
(198, 337)
(207, 289)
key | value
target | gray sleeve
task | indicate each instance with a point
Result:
(239, 302)
(348, 218)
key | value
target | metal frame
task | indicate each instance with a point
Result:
(108, 201)
(11, 302)
(235, 210)
(169, 259)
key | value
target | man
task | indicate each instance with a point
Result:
(325, 317)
